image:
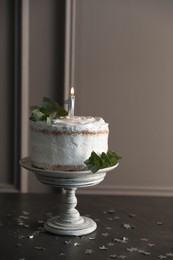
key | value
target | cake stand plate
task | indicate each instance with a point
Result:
(68, 222)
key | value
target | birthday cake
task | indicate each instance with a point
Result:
(66, 143)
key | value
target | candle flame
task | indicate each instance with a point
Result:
(72, 91)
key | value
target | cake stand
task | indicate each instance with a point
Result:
(68, 222)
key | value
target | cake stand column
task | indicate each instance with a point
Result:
(69, 213)
(69, 222)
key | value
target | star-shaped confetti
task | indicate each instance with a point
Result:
(88, 251)
(111, 211)
(25, 212)
(144, 239)
(108, 228)
(162, 256)
(116, 217)
(159, 223)
(123, 240)
(132, 249)
(128, 226)
(105, 234)
(132, 215)
(111, 244)
(151, 244)
(103, 247)
(116, 256)
(92, 238)
(141, 251)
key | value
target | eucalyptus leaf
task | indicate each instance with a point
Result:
(48, 111)
(37, 115)
(96, 162)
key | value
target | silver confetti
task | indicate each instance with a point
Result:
(35, 233)
(61, 254)
(144, 239)
(88, 251)
(24, 217)
(141, 251)
(159, 223)
(26, 225)
(128, 226)
(116, 217)
(132, 249)
(111, 211)
(111, 244)
(123, 240)
(67, 242)
(25, 212)
(108, 228)
(151, 244)
(116, 256)
(162, 256)
(169, 254)
(76, 244)
(132, 215)
(92, 238)
(105, 234)
(21, 237)
(103, 248)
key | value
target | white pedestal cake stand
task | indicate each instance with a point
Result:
(68, 222)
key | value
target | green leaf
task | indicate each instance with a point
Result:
(97, 162)
(37, 115)
(48, 111)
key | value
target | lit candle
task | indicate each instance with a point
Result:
(71, 103)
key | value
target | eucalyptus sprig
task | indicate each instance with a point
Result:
(47, 111)
(97, 162)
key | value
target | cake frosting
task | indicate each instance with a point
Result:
(67, 142)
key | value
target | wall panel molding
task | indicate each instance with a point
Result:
(127, 190)
(10, 86)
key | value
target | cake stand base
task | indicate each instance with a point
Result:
(68, 222)
(82, 227)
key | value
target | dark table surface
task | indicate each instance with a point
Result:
(127, 228)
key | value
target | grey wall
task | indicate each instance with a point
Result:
(124, 73)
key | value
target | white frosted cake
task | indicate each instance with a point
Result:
(67, 142)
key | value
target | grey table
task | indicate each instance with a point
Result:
(127, 228)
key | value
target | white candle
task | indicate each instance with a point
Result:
(71, 103)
